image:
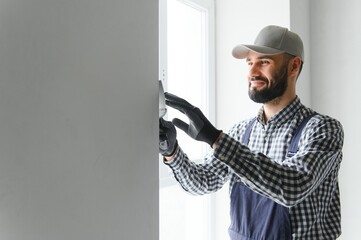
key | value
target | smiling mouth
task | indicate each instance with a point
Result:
(254, 83)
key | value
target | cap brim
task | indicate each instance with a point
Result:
(241, 51)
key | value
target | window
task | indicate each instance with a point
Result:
(187, 70)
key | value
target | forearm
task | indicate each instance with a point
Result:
(198, 179)
(168, 159)
(288, 182)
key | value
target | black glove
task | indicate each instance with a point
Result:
(199, 127)
(167, 138)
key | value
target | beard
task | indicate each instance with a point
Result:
(273, 89)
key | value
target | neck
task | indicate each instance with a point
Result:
(272, 107)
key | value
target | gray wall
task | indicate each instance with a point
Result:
(300, 23)
(336, 82)
(78, 119)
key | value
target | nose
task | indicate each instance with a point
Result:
(253, 71)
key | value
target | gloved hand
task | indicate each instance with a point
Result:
(167, 138)
(199, 127)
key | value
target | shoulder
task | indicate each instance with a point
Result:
(325, 122)
(321, 126)
(318, 119)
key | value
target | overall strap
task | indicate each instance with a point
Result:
(247, 133)
(293, 148)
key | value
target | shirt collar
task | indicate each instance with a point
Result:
(284, 115)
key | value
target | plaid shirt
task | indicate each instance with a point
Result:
(306, 183)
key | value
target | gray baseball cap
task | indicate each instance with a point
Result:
(272, 40)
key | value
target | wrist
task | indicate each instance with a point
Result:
(169, 158)
(216, 144)
(212, 136)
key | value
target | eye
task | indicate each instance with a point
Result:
(265, 62)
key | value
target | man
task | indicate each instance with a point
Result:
(276, 193)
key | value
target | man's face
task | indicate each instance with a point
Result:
(267, 76)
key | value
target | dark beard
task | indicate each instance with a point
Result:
(273, 89)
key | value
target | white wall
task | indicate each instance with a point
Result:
(78, 119)
(336, 83)
(239, 22)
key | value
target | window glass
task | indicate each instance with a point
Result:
(184, 70)
(187, 64)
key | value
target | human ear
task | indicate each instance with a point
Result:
(295, 65)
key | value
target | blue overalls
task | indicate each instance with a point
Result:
(254, 216)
